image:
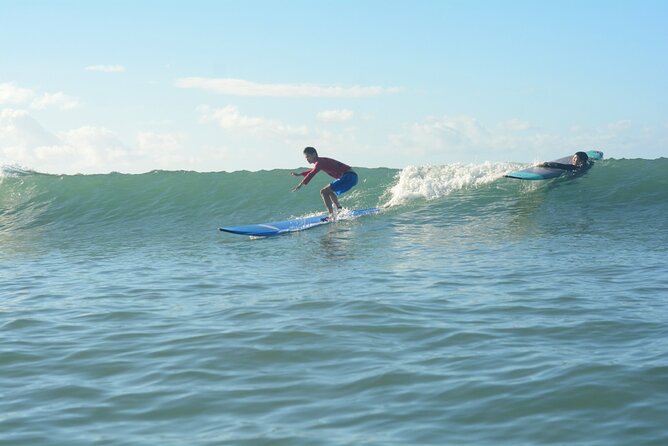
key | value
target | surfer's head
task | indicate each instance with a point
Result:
(311, 155)
(580, 159)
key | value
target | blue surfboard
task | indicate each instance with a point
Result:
(545, 173)
(295, 224)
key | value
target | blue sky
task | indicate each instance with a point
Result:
(132, 86)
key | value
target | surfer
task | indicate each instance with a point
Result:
(344, 178)
(579, 161)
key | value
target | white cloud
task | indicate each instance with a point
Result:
(59, 100)
(159, 145)
(19, 129)
(439, 133)
(462, 138)
(12, 94)
(169, 151)
(94, 145)
(515, 125)
(240, 87)
(335, 115)
(106, 68)
(24, 141)
(230, 118)
(622, 136)
(150, 142)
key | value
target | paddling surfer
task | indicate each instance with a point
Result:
(580, 161)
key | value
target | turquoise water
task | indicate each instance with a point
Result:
(473, 310)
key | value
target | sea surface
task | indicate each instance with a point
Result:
(474, 309)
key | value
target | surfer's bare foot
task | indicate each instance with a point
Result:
(330, 217)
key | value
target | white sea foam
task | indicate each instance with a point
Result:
(432, 182)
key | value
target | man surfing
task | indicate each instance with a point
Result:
(344, 178)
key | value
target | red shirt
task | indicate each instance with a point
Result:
(330, 166)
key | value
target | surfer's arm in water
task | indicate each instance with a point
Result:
(553, 165)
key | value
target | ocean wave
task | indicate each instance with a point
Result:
(432, 182)
(29, 199)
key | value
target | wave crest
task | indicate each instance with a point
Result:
(432, 182)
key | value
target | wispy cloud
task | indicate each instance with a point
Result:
(240, 87)
(335, 115)
(230, 118)
(106, 68)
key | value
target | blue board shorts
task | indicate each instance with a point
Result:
(345, 183)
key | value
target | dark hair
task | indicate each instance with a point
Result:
(582, 157)
(310, 151)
